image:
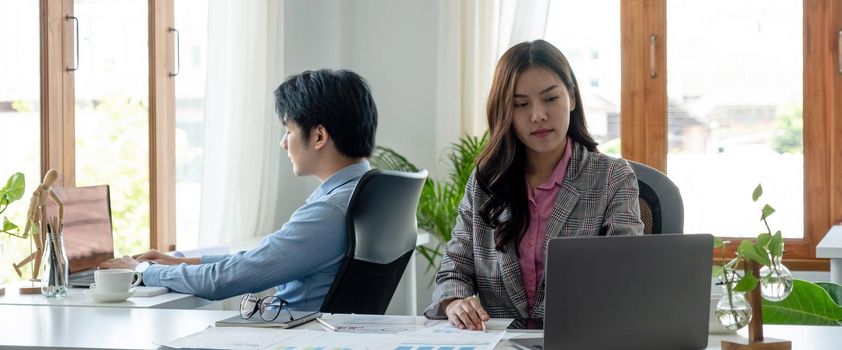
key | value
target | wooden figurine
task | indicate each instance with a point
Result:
(37, 225)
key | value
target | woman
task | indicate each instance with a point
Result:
(539, 177)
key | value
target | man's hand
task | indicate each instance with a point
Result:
(126, 262)
(160, 258)
(466, 313)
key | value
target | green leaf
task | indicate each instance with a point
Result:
(389, 159)
(15, 187)
(808, 304)
(717, 271)
(717, 242)
(747, 283)
(428, 255)
(763, 239)
(751, 251)
(776, 244)
(834, 290)
(758, 191)
(8, 225)
(767, 211)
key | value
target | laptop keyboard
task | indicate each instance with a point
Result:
(81, 278)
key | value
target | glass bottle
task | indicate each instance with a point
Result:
(54, 268)
(733, 310)
(775, 281)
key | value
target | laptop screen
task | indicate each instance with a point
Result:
(88, 238)
(628, 292)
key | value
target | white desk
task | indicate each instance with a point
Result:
(76, 297)
(98, 327)
(138, 328)
(831, 247)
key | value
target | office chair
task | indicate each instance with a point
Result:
(661, 206)
(382, 231)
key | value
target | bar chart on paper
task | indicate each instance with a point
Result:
(437, 347)
(430, 338)
(311, 348)
(402, 347)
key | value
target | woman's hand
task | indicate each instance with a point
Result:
(466, 313)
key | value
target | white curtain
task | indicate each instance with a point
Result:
(524, 20)
(241, 153)
(472, 36)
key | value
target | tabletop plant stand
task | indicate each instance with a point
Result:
(775, 284)
(755, 340)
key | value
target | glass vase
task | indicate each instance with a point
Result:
(733, 310)
(54, 269)
(775, 281)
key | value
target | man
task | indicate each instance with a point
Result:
(330, 119)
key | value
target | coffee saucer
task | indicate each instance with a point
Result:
(107, 297)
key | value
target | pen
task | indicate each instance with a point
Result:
(325, 325)
(484, 328)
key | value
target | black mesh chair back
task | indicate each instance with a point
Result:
(382, 231)
(661, 206)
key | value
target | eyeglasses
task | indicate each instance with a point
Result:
(269, 307)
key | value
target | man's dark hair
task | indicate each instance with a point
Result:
(339, 100)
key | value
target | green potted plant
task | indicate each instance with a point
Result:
(439, 202)
(780, 299)
(13, 191)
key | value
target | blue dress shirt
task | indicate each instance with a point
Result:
(300, 260)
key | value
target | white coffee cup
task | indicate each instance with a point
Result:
(116, 280)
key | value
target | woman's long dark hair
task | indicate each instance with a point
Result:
(501, 165)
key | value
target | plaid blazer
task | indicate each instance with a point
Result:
(598, 197)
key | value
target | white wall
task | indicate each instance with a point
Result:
(311, 35)
(393, 44)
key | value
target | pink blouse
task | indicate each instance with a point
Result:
(541, 203)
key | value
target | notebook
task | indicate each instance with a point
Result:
(299, 318)
(87, 232)
(628, 292)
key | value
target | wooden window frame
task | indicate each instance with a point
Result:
(161, 125)
(643, 101)
(644, 112)
(57, 91)
(58, 109)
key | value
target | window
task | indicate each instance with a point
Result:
(735, 114)
(751, 98)
(191, 22)
(112, 113)
(711, 118)
(20, 122)
(101, 122)
(596, 60)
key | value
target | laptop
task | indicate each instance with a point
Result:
(626, 292)
(87, 231)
